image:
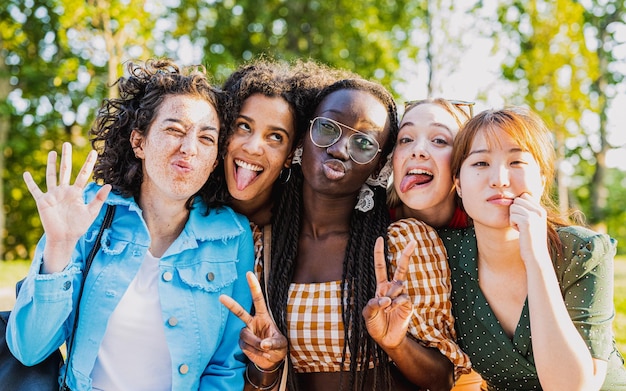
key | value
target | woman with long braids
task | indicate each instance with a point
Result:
(266, 119)
(323, 277)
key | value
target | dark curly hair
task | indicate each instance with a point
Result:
(358, 279)
(298, 83)
(140, 96)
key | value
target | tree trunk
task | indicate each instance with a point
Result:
(5, 126)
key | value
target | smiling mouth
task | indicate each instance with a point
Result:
(246, 173)
(415, 177)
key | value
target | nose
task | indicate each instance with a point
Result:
(253, 145)
(189, 144)
(339, 150)
(500, 176)
(420, 149)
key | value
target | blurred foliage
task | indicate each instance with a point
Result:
(561, 57)
(368, 37)
(60, 58)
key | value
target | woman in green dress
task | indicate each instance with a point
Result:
(532, 293)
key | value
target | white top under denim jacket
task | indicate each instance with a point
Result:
(209, 258)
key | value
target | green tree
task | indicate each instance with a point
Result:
(29, 56)
(368, 37)
(603, 21)
(563, 61)
(59, 59)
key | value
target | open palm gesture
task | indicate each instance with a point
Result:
(64, 215)
(388, 314)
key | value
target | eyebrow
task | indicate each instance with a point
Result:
(177, 121)
(372, 126)
(437, 124)
(484, 150)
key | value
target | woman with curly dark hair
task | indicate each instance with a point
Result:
(266, 114)
(345, 322)
(150, 318)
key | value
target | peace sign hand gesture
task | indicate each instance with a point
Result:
(260, 340)
(388, 314)
(64, 215)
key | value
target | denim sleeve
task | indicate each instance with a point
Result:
(226, 368)
(39, 321)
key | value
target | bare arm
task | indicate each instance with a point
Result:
(562, 358)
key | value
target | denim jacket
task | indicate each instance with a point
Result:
(209, 258)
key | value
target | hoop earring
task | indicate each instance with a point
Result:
(281, 176)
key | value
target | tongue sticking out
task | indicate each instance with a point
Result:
(245, 177)
(414, 180)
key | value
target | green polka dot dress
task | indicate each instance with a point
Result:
(585, 275)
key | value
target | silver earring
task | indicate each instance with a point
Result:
(297, 156)
(365, 200)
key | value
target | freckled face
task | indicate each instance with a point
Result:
(493, 175)
(421, 159)
(260, 147)
(330, 169)
(179, 150)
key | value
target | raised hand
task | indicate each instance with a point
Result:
(64, 215)
(529, 218)
(388, 314)
(260, 340)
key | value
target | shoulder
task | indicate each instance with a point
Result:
(456, 236)
(402, 232)
(411, 228)
(460, 246)
(217, 223)
(585, 248)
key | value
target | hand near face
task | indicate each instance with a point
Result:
(64, 215)
(260, 340)
(530, 219)
(388, 314)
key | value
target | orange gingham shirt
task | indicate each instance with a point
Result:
(314, 310)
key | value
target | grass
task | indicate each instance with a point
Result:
(619, 298)
(11, 272)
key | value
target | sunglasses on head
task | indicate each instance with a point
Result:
(362, 147)
(464, 105)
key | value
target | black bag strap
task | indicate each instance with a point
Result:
(108, 218)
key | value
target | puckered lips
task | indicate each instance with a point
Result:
(415, 177)
(501, 199)
(246, 173)
(182, 166)
(334, 169)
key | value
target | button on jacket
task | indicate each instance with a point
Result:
(209, 258)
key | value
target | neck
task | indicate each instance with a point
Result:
(260, 213)
(165, 222)
(325, 215)
(438, 216)
(499, 248)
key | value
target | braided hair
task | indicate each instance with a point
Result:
(140, 97)
(358, 278)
